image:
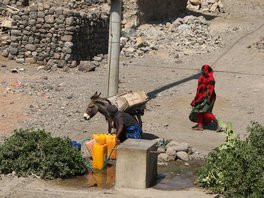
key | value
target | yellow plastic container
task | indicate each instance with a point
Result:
(100, 138)
(99, 156)
(111, 142)
(89, 145)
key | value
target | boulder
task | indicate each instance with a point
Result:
(163, 157)
(183, 156)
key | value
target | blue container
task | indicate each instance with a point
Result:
(76, 144)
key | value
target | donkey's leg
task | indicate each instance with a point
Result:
(139, 120)
(110, 125)
(140, 123)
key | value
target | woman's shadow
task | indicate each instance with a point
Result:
(211, 126)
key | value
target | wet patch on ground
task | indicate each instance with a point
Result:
(177, 175)
(104, 179)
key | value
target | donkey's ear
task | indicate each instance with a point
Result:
(98, 94)
(95, 95)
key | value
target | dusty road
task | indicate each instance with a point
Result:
(56, 100)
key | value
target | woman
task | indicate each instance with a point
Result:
(126, 126)
(203, 103)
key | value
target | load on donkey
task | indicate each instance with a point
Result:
(132, 102)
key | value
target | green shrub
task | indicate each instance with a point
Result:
(35, 152)
(236, 168)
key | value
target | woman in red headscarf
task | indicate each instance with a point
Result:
(203, 103)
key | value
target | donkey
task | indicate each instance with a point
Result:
(99, 104)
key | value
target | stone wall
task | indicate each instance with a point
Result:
(13, 3)
(50, 36)
(64, 32)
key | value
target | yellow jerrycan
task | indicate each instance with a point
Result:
(111, 143)
(100, 138)
(99, 156)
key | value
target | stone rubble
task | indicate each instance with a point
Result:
(171, 150)
(211, 6)
(183, 36)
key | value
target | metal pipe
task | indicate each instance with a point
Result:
(114, 47)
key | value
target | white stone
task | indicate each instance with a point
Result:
(183, 155)
(171, 153)
(163, 157)
(161, 150)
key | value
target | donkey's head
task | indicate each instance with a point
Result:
(92, 108)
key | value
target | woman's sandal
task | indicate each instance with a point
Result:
(219, 129)
(197, 128)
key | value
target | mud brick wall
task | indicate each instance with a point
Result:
(50, 36)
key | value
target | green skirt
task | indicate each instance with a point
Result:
(203, 107)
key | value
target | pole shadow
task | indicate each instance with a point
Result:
(153, 94)
(149, 136)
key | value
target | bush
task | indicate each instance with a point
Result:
(236, 168)
(35, 152)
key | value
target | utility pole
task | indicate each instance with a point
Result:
(114, 47)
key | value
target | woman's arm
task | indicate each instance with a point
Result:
(120, 127)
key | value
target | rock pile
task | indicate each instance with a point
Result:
(173, 150)
(184, 36)
(212, 6)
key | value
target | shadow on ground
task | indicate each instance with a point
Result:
(149, 136)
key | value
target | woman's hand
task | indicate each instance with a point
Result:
(117, 141)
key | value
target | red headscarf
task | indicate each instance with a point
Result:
(206, 85)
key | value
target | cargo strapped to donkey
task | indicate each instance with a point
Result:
(129, 99)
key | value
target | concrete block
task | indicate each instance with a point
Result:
(136, 164)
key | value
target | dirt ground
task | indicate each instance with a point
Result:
(56, 100)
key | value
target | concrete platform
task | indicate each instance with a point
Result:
(136, 164)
